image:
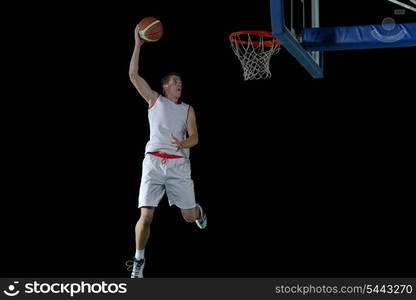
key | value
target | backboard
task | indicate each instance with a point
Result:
(289, 18)
(296, 24)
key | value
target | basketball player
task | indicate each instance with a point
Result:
(166, 165)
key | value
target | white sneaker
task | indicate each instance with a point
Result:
(138, 266)
(202, 220)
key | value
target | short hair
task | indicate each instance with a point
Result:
(166, 78)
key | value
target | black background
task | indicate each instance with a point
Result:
(299, 177)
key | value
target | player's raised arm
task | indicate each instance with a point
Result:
(141, 85)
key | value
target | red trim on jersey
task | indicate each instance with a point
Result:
(187, 116)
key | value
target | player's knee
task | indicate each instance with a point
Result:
(145, 220)
(146, 216)
(190, 218)
(189, 215)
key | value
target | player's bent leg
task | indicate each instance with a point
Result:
(191, 214)
(196, 215)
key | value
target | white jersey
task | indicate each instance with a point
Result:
(166, 117)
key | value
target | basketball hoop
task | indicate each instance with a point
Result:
(254, 49)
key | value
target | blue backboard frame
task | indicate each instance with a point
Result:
(308, 46)
(311, 61)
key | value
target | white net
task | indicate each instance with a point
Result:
(254, 52)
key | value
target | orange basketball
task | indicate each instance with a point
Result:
(150, 29)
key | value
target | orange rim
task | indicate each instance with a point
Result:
(233, 38)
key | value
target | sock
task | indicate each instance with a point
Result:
(139, 254)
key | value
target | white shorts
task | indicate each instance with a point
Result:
(172, 175)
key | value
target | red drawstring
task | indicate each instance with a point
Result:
(164, 156)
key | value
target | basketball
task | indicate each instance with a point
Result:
(150, 29)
